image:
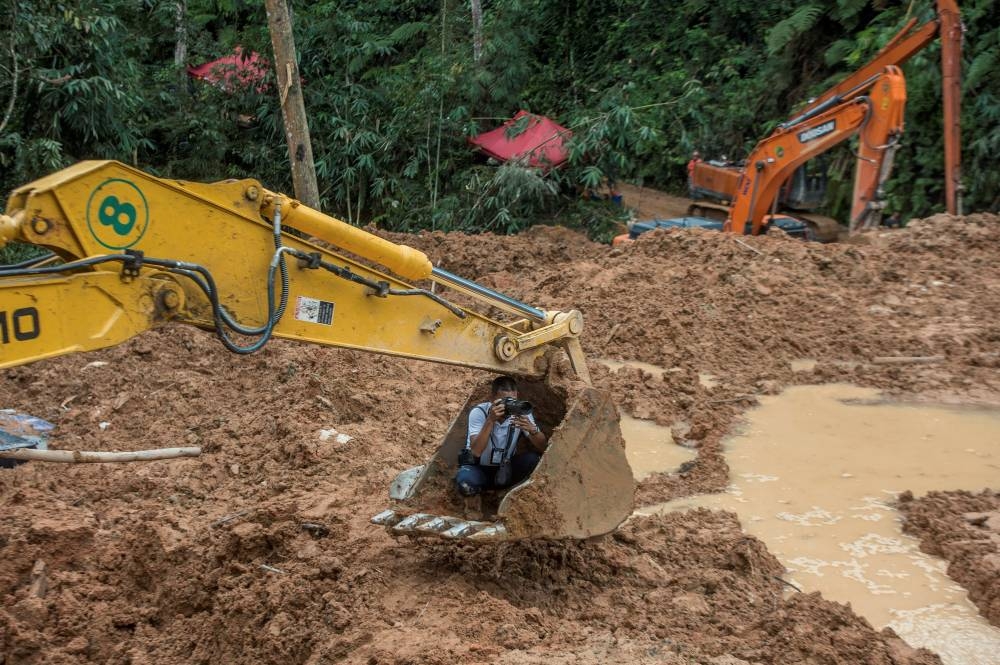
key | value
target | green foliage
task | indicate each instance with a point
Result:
(799, 22)
(393, 93)
(18, 252)
(73, 94)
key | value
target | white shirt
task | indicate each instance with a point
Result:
(498, 437)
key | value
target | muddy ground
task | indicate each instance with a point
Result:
(261, 551)
(963, 528)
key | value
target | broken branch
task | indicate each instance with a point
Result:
(83, 456)
(752, 249)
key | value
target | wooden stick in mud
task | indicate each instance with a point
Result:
(611, 335)
(80, 456)
(752, 249)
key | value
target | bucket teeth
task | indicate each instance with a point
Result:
(386, 518)
(460, 530)
(478, 531)
(425, 524)
(413, 521)
(438, 524)
(492, 532)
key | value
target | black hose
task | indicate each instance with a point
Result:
(27, 263)
(223, 322)
(313, 261)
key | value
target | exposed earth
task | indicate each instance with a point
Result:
(261, 551)
(648, 203)
(963, 528)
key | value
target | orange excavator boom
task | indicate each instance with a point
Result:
(876, 116)
(947, 27)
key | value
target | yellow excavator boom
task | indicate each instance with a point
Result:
(136, 251)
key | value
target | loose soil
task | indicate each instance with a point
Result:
(260, 550)
(963, 529)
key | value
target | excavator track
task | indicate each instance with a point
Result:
(714, 211)
(823, 229)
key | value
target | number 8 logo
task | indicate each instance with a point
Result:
(112, 211)
(117, 214)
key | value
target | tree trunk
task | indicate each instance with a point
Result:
(293, 110)
(14, 74)
(180, 31)
(477, 30)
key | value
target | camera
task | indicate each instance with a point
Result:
(516, 407)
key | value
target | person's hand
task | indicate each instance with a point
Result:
(497, 410)
(524, 423)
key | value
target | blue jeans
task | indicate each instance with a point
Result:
(472, 479)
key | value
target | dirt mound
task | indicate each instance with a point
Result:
(963, 529)
(260, 550)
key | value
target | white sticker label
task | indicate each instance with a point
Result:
(818, 131)
(313, 310)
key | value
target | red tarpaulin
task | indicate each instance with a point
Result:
(233, 71)
(542, 144)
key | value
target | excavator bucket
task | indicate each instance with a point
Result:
(582, 487)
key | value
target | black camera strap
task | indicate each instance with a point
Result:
(505, 451)
(494, 448)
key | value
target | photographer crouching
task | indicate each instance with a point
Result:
(491, 459)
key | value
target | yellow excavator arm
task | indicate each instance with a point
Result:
(140, 251)
(130, 252)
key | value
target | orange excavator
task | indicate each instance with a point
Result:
(803, 191)
(873, 111)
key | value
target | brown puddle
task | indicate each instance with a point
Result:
(649, 447)
(813, 475)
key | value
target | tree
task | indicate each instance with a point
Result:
(293, 111)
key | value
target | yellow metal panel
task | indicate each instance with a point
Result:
(100, 208)
(42, 317)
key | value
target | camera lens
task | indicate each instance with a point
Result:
(516, 407)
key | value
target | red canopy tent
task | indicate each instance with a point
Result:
(233, 71)
(542, 143)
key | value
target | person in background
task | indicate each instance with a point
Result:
(893, 221)
(695, 158)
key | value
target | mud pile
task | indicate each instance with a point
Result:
(963, 529)
(260, 550)
(904, 311)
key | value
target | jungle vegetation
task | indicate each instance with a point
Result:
(393, 89)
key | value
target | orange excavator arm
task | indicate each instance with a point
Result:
(877, 117)
(907, 42)
(877, 148)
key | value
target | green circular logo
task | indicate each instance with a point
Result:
(780, 152)
(117, 214)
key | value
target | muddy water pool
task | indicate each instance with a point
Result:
(814, 472)
(649, 447)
